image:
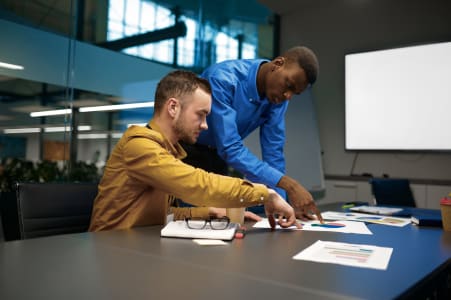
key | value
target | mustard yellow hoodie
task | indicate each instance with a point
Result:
(144, 175)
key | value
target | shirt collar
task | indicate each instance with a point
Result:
(252, 81)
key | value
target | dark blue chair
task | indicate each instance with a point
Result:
(392, 192)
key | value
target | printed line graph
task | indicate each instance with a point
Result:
(357, 254)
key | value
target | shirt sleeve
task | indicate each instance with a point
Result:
(231, 147)
(180, 213)
(147, 161)
(272, 141)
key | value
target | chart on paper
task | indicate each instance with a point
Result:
(365, 256)
(349, 253)
(368, 218)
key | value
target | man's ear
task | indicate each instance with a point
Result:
(279, 61)
(172, 107)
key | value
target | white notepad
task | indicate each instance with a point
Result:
(180, 230)
(378, 210)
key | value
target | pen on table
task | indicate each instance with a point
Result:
(346, 206)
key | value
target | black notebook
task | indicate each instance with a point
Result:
(427, 217)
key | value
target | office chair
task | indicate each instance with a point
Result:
(54, 208)
(394, 192)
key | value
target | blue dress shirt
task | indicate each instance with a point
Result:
(237, 110)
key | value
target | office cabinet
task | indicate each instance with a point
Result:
(427, 195)
(346, 191)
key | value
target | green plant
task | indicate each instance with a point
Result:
(81, 171)
(48, 171)
(15, 169)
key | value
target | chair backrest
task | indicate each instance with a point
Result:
(388, 191)
(54, 208)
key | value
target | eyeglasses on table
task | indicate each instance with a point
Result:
(213, 223)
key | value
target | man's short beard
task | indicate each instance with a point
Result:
(181, 133)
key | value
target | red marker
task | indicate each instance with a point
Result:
(240, 232)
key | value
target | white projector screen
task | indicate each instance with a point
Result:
(399, 99)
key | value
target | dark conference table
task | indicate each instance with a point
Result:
(139, 264)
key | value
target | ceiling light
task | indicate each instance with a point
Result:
(10, 66)
(66, 128)
(84, 127)
(116, 107)
(89, 136)
(21, 130)
(117, 135)
(54, 112)
(92, 136)
(45, 129)
(136, 124)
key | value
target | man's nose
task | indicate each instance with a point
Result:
(204, 125)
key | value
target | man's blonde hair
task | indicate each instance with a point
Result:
(177, 84)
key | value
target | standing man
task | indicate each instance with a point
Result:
(248, 94)
(144, 173)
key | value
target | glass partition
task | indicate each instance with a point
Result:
(59, 55)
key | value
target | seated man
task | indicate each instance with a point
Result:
(144, 173)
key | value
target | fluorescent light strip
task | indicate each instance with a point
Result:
(46, 129)
(10, 66)
(67, 128)
(88, 136)
(55, 112)
(137, 124)
(92, 136)
(116, 107)
(117, 135)
(84, 127)
(21, 130)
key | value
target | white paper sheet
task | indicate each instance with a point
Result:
(370, 218)
(378, 210)
(342, 226)
(363, 256)
(207, 242)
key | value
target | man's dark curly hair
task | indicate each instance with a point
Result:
(306, 59)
